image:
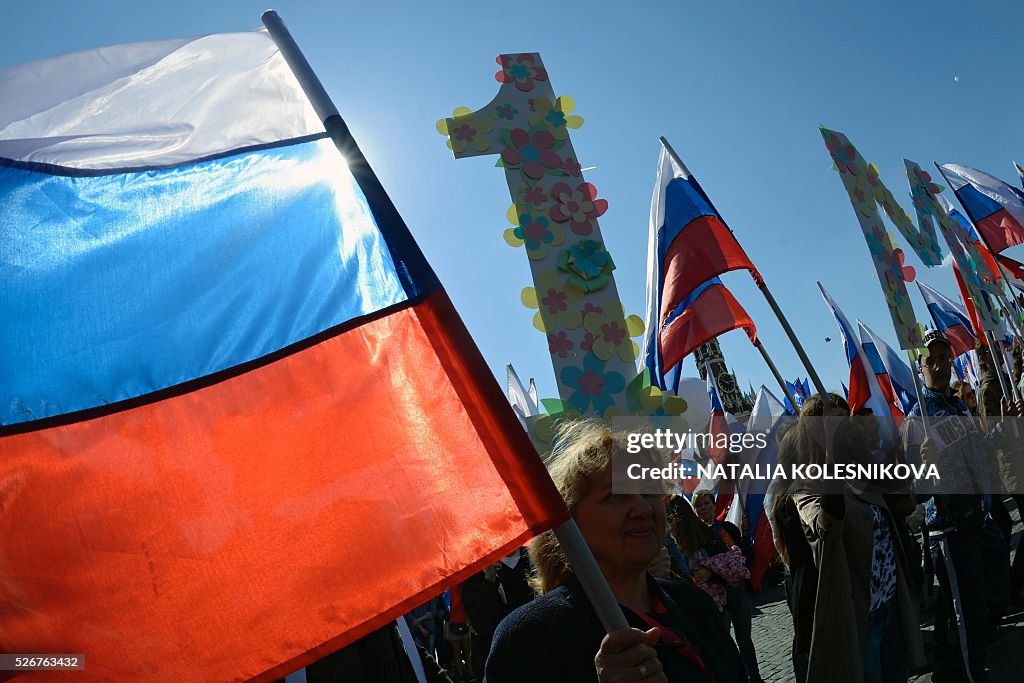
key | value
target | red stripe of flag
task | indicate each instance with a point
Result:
(705, 249)
(252, 521)
(1001, 230)
(713, 313)
(972, 312)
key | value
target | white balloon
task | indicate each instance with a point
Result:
(694, 391)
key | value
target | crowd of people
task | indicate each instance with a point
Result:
(860, 562)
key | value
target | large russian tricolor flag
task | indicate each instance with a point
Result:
(242, 425)
(950, 318)
(688, 247)
(996, 208)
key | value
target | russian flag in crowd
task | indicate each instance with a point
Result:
(689, 245)
(966, 368)
(874, 361)
(766, 416)
(899, 374)
(1014, 270)
(996, 208)
(228, 372)
(864, 389)
(950, 318)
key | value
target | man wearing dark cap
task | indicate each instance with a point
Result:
(970, 554)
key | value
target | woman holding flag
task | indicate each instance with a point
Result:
(677, 634)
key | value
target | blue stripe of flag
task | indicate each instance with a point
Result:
(684, 203)
(946, 318)
(978, 206)
(183, 271)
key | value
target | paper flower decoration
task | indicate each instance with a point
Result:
(588, 264)
(588, 342)
(532, 154)
(506, 111)
(665, 403)
(907, 272)
(592, 385)
(859, 196)
(555, 117)
(844, 155)
(537, 233)
(925, 180)
(544, 428)
(578, 206)
(643, 398)
(878, 242)
(559, 344)
(874, 182)
(571, 167)
(922, 202)
(466, 130)
(554, 301)
(532, 195)
(613, 336)
(521, 70)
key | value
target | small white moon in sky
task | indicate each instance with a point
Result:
(956, 78)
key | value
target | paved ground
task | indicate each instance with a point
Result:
(773, 638)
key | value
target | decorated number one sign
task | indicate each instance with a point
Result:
(554, 219)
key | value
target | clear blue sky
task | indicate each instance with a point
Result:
(739, 88)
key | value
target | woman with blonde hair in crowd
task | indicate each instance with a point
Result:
(676, 635)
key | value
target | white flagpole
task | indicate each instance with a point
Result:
(582, 560)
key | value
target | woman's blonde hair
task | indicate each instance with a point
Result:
(583, 450)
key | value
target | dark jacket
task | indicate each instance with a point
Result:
(485, 605)
(488, 602)
(377, 657)
(554, 638)
(803, 573)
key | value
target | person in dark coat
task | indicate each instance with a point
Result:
(490, 596)
(970, 554)
(377, 657)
